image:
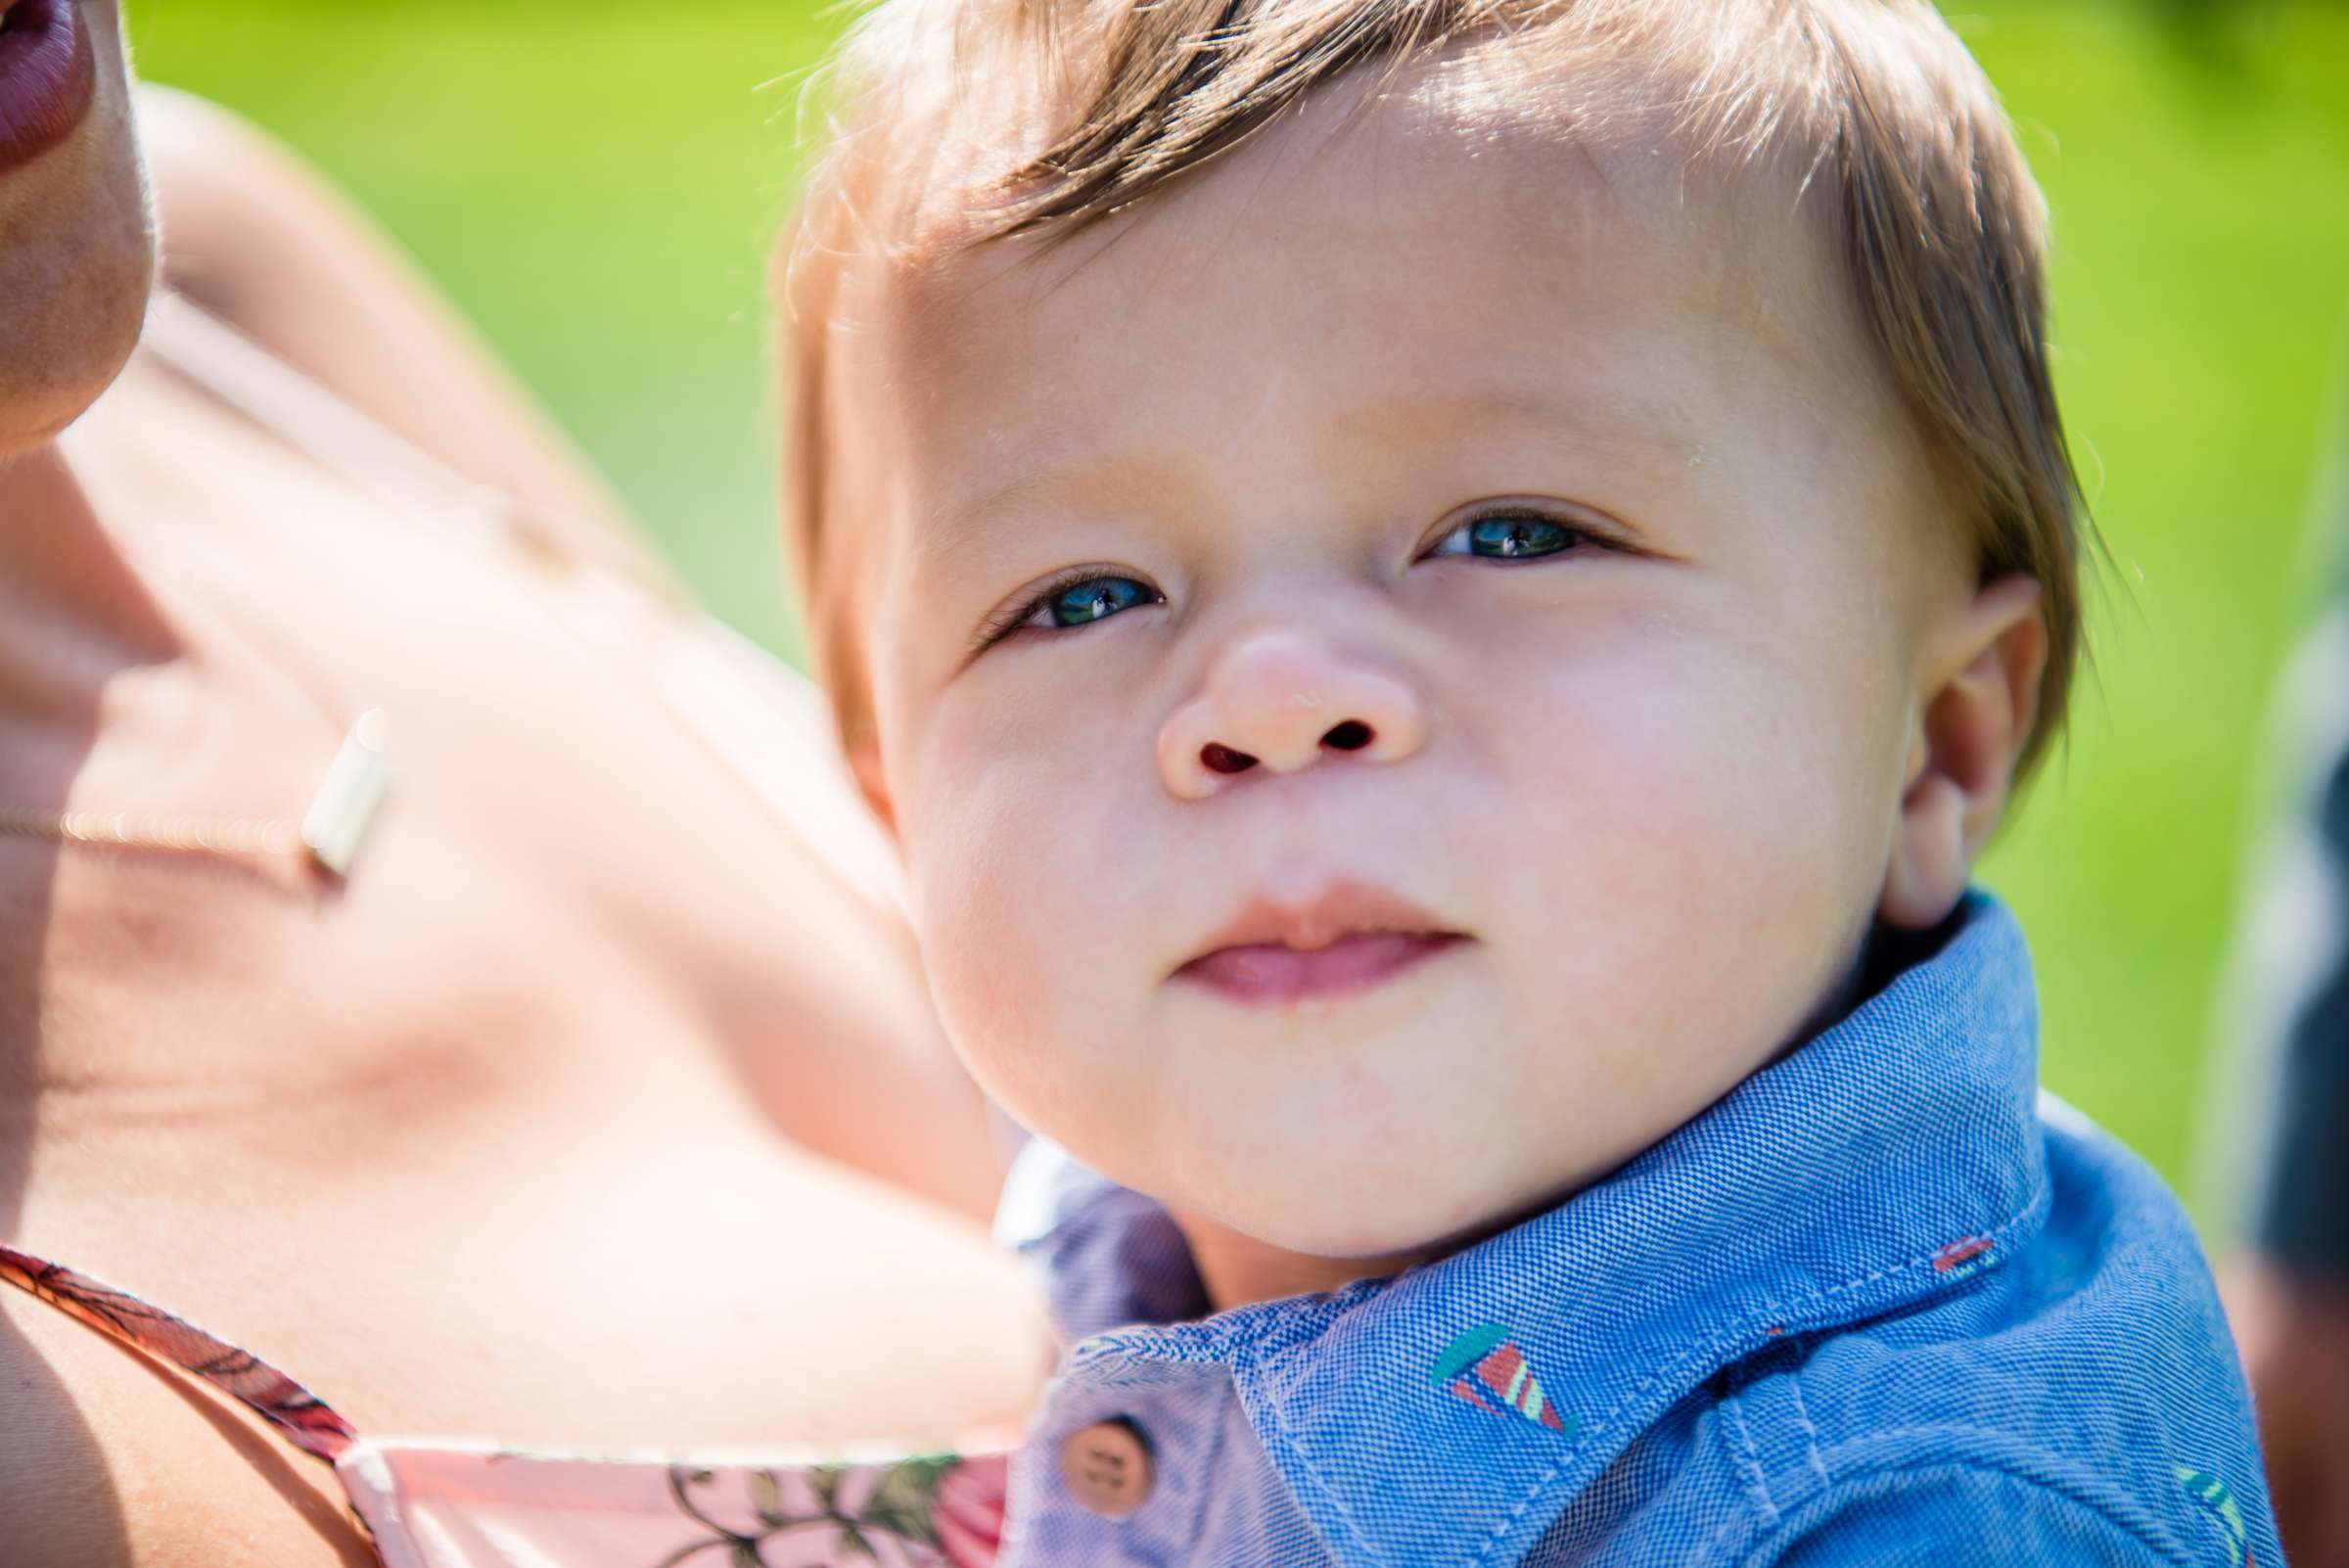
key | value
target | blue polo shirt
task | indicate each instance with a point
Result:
(1884, 1303)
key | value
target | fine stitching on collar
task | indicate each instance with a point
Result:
(1255, 1357)
(1299, 1456)
(1210, 1468)
(1984, 1466)
(1674, 1371)
(1257, 1333)
(1749, 1459)
(1354, 1528)
(1802, 1413)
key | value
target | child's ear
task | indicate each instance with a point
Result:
(864, 761)
(1975, 710)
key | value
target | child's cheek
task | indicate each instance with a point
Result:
(1029, 870)
(1704, 844)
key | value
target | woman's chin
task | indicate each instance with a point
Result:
(77, 258)
(70, 325)
(48, 382)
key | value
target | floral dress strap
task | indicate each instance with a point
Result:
(276, 1399)
(441, 1503)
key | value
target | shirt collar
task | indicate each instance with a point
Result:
(1889, 1157)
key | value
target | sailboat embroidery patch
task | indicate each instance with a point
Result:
(1487, 1369)
(2212, 1492)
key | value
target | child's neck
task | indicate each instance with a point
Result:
(1238, 1268)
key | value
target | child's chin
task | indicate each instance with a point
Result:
(1420, 1228)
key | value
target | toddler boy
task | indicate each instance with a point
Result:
(1440, 595)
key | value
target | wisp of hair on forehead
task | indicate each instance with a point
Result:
(955, 123)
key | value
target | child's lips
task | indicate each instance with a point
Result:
(1268, 974)
(1347, 937)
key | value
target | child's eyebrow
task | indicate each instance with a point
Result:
(1594, 410)
(956, 526)
(1593, 416)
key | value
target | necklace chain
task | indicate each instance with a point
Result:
(123, 830)
(328, 836)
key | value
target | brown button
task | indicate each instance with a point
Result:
(1107, 1466)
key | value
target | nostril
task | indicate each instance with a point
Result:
(1351, 736)
(1221, 758)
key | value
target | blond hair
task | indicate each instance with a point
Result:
(956, 122)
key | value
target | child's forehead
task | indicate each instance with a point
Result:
(1571, 131)
(1452, 222)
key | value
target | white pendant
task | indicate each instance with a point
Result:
(345, 807)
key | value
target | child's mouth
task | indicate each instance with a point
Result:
(1348, 938)
(1267, 974)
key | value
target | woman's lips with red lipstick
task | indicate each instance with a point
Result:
(47, 77)
(1350, 938)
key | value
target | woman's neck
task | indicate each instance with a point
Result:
(72, 610)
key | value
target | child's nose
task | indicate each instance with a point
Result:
(1278, 701)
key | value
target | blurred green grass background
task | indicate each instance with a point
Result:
(596, 184)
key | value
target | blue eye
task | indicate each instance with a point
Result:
(1094, 599)
(1508, 535)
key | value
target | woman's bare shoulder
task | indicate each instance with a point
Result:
(109, 1461)
(261, 239)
